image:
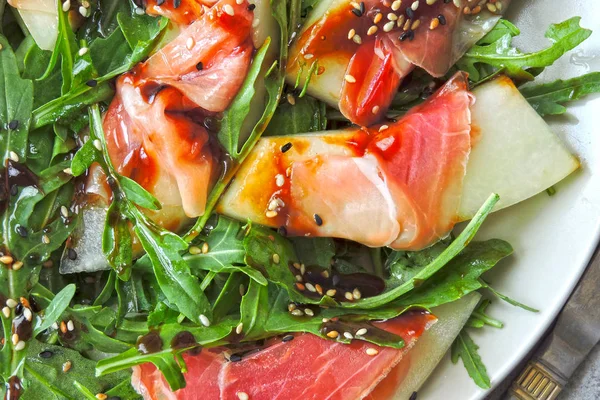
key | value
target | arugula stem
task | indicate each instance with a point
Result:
(487, 319)
(375, 253)
(207, 280)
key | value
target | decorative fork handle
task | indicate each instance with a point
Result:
(537, 382)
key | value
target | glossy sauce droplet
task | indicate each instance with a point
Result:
(150, 343)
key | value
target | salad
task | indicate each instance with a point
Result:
(251, 199)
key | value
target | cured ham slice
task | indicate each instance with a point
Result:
(363, 52)
(157, 127)
(397, 185)
(307, 367)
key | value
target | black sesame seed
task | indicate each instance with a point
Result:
(286, 147)
(14, 189)
(13, 125)
(318, 219)
(362, 7)
(235, 358)
(447, 1)
(287, 338)
(413, 396)
(72, 254)
(46, 354)
(357, 12)
(19, 309)
(251, 7)
(403, 37)
(21, 230)
(200, 66)
(47, 229)
(92, 83)
(176, 3)
(410, 13)
(282, 230)
(160, 2)
(442, 19)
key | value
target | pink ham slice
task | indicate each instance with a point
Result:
(308, 368)
(395, 186)
(376, 64)
(154, 126)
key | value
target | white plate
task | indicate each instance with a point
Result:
(553, 237)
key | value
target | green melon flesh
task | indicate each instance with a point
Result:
(434, 344)
(514, 152)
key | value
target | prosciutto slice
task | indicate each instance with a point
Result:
(398, 185)
(364, 50)
(158, 125)
(305, 368)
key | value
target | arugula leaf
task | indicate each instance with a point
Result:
(548, 98)
(465, 348)
(307, 114)
(83, 159)
(506, 298)
(16, 102)
(55, 309)
(46, 378)
(479, 318)
(438, 263)
(117, 241)
(501, 55)
(137, 194)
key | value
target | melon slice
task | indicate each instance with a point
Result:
(514, 154)
(41, 18)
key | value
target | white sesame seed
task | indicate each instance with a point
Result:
(45, 239)
(392, 16)
(11, 303)
(291, 99)
(239, 1)
(309, 312)
(272, 205)
(6, 260)
(6, 312)
(350, 79)
(457, 3)
(190, 43)
(415, 24)
(242, 289)
(383, 128)
(70, 326)
(139, 11)
(297, 313)
(430, 2)
(205, 321)
(83, 11)
(375, 109)
(415, 5)
(28, 314)
(68, 171)
(310, 287)
(256, 22)
(20, 346)
(356, 39)
(271, 214)
(194, 250)
(308, 56)
(331, 292)
(351, 33)
(356, 294)
(325, 274)
(348, 335)
(491, 7)
(299, 278)
(372, 352)
(55, 326)
(15, 338)
(400, 21)
(1, 47)
(355, 5)
(361, 331)
(389, 26)
(243, 396)
(67, 366)
(239, 328)
(302, 269)
(228, 9)
(83, 51)
(85, 3)
(499, 5)
(276, 258)
(348, 296)
(13, 156)
(66, 5)
(396, 5)
(204, 247)
(372, 30)
(325, 320)
(17, 265)
(279, 180)
(377, 18)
